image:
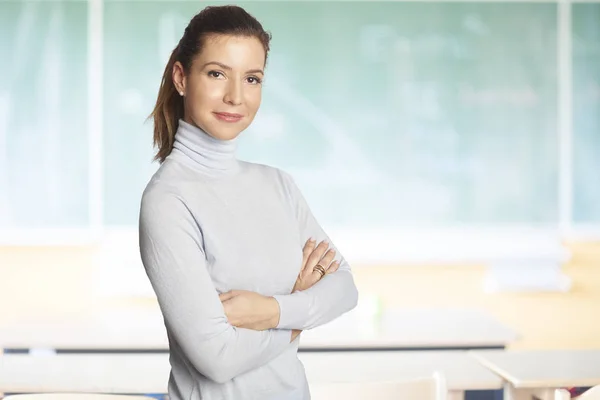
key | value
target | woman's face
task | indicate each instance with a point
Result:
(222, 90)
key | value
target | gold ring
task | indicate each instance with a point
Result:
(320, 268)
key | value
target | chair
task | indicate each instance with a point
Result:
(591, 394)
(75, 396)
(562, 394)
(426, 388)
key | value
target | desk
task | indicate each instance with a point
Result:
(460, 371)
(414, 329)
(90, 373)
(148, 373)
(131, 328)
(140, 328)
(540, 372)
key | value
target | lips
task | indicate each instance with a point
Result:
(228, 117)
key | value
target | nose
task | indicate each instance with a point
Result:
(233, 95)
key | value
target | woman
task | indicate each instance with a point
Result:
(225, 243)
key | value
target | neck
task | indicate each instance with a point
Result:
(202, 151)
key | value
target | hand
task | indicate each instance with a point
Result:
(295, 334)
(250, 310)
(312, 256)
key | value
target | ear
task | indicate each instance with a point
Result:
(179, 79)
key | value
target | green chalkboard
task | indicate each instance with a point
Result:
(43, 114)
(586, 112)
(387, 113)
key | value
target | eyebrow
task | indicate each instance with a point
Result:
(227, 67)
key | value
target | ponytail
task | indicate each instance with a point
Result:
(167, 112)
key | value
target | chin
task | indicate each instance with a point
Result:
(229, 133)
(221, 130)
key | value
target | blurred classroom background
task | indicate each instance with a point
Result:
(451, 149)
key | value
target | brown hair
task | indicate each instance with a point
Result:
(213, 20)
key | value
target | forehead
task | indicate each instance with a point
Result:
(241, 52)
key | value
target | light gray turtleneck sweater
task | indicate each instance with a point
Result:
(211, 223)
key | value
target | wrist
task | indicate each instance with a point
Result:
(275, 312)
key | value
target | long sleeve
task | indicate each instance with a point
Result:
(329, 298)
(171, 248)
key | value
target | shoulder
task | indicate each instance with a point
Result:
(273, 175)
(162, 192)
(259, 168)
(164, 211)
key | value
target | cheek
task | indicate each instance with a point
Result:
(213, 91)
(206, 93)
(253, 100)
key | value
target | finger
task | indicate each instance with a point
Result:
(226, 309)
(317, 275)
(309, 241)
(230, 312)
(333, 267)
(227, 295)
(312, 253)
(317, 258)
(307, 251)
(317, 254)
(327, 259)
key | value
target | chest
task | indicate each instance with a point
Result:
(251, 238)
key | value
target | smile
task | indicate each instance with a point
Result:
(228, 117)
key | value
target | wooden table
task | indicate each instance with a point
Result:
(90, 373)
(412, 329)
(132, 327)
(148, 373)
(541, 372)
(460, 371)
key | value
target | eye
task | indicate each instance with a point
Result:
(254, 80)
(215, 74)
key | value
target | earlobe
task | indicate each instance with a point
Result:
(182, 86)
(178, 78)
(182, 90)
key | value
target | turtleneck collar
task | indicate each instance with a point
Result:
(213, 156)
